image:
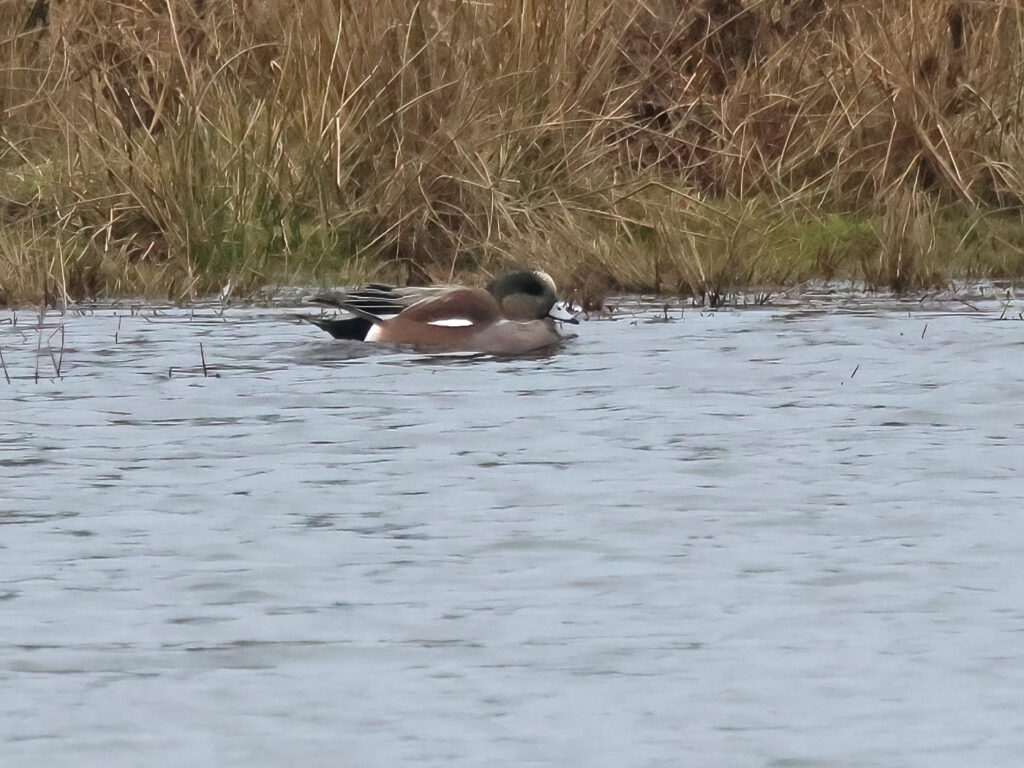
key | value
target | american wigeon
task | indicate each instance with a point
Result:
(514, 315)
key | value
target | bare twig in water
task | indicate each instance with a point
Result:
(53, 360)
(855, 371)
(202, 357)
(58, 361)
(924, 330)
(4, 366)
(39, 344)
(118, 331)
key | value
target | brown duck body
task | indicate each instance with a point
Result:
(465, 319)
(513, 316)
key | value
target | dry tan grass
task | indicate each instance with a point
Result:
(172, 147)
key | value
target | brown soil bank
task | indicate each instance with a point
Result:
(172, 147)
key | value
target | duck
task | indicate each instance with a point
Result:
(516, 314)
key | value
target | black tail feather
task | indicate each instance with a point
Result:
(352, 328)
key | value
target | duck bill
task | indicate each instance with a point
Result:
(563, 314)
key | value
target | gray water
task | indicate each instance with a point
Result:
(773, 537)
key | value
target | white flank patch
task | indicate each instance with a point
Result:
(452, 322)
(374, 333)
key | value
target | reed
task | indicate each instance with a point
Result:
(179, 148)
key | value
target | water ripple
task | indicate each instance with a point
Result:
(774, 537)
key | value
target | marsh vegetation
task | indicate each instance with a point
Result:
(174, 148)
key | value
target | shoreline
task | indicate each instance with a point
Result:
(816, 294)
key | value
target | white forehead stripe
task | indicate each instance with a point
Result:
(545, 277)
